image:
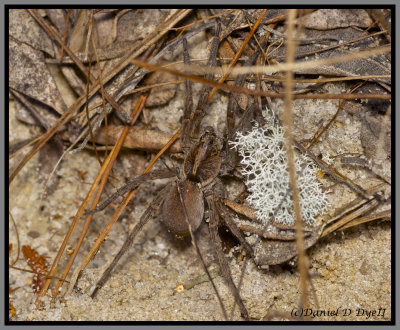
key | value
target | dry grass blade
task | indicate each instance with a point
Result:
(370, 205)
(100, 75)
(17, 235)
(256, 69)
(384, 215)
(289, 144)
(65, 34)
(87, 112)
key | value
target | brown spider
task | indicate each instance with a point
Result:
(180, 205)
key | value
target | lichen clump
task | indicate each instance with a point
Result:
(264, 165)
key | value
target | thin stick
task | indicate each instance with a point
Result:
(87, 112)
(100, 75)
(18, 242)
(300, 65)
(289, 141)
(381, 215)
(367, 207)
(252, 91)
(65, 34)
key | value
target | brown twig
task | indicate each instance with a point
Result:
(65, 34)
(18, 242)
(100, 75)
(256, 92)
(289, 142)
(87, 112)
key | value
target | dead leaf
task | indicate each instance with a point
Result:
(23, 27)
(322, 39)
(160, 95)
(58, 17)
(29, 75)
(145, 139)
(328, 19)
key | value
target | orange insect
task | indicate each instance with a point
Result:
(37, 264)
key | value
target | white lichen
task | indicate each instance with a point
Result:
(264, 165)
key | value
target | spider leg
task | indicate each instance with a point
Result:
(201, 108)
(230, 154)
(234, 229)
(185, 135)
(131, 185)
(213, 228)
(150, 212)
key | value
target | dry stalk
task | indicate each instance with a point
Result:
(289, 142)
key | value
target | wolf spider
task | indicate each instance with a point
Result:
(181, 204)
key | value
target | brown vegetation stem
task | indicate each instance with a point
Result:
(324, 49)
(18, 242)
(100, 75)
(87, 112)
(236, 89)
(65, 34)
(289, 141)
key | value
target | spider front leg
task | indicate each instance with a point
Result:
(150, 212)
(192, 119)
(232, 126)
(131, 185)
(187, 112)
(216, 240)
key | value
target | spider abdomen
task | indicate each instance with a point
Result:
(173, 214)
